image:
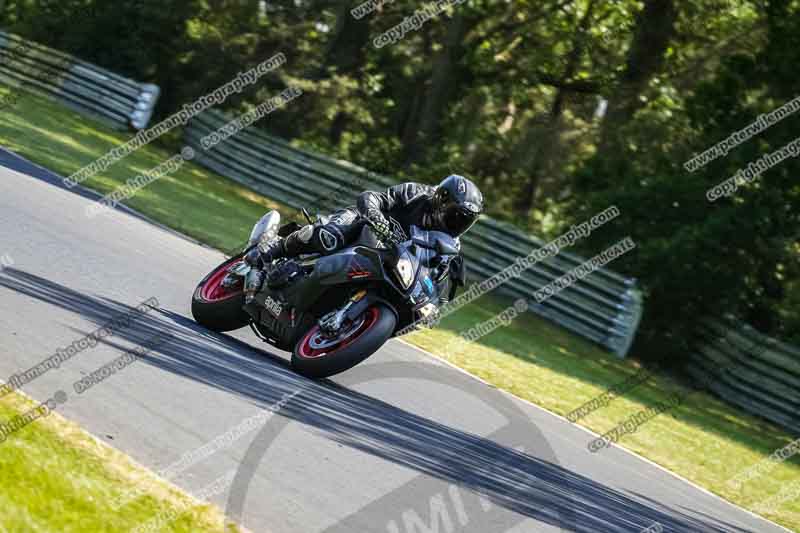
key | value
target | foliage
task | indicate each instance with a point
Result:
(556, 108)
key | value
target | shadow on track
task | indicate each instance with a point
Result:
(516, 481)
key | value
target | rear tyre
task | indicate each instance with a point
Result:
(372, 330)
(216, 307)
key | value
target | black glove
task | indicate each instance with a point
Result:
(380, 225)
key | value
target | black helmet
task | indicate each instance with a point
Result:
(457, 204)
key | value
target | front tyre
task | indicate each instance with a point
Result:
(316, 356)
(217, 307)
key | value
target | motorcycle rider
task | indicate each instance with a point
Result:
(452, 207)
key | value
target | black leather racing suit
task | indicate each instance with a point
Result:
(407, 203)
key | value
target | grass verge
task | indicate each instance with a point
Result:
(702, 439)
(56, 477)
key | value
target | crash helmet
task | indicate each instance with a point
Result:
(457, 204)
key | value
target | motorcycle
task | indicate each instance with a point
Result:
(332, 311)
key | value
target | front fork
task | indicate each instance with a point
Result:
(332, 322)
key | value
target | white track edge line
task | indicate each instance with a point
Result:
(587, 430)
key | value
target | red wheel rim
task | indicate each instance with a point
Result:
(307, 352)
(213, 290)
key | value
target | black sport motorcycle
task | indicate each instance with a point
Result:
(333, 311)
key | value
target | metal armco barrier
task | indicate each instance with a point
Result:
(748, 369)
(86, 88)
(603, 307)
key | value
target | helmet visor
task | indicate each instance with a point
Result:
(458, 219)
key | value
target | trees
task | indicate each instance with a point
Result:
(695, 257)
(558, 108)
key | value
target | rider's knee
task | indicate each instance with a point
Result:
(328, 239)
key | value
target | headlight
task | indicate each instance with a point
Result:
(405, 271)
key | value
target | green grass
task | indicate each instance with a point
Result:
(56, 477)
(704, 440)
(192, 201)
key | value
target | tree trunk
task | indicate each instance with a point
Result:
(539, 161)
(337, 128)
(346, 48)
(345, 55)
(440, 91)
(655, 27)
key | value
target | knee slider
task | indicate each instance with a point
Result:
(327, 238)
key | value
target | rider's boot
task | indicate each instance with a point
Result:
(296, 243)
(258, 258)
(274, 250)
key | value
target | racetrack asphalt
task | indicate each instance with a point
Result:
(402, 443)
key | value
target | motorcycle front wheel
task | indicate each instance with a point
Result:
(317, 356)
(217, 307)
